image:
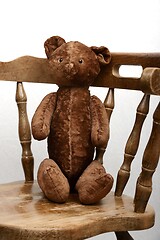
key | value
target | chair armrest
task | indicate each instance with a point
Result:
(150, 80)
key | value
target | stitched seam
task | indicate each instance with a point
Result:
(44, 111)
(58, 192)
(69, 132)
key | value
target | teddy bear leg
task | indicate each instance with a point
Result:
(94, 184)
(52, 181)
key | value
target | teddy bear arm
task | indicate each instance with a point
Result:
(42, 118)
(99, 127)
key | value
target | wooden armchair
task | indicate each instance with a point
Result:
(26, 214)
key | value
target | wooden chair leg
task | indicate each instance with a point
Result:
(123, 236)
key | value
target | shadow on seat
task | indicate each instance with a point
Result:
(27, 214)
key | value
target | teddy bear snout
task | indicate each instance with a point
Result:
(70, 68)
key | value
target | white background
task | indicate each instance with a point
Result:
(122, 26)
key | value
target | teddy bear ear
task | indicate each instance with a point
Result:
(51, 44)
(103, 54)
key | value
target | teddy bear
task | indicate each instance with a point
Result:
(74, 123)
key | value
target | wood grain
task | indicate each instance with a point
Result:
(26, 214)
(32, 69)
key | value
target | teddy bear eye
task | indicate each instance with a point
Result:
(80, 60)
(60, 60)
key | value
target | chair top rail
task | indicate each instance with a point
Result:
(33, 69)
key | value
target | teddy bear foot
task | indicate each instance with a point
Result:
(94, 184)
(52, 181)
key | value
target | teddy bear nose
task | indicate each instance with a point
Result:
(70, 67)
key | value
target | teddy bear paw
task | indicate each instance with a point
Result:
(52, 181)
(94, 184)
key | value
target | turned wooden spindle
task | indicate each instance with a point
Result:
(132, 145)
(24, 133)
(109, 105)
(109, 102)
(149, 164)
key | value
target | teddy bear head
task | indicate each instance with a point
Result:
(74, 63)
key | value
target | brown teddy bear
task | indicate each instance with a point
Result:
(75, 124)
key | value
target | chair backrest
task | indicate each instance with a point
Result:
(32, 69)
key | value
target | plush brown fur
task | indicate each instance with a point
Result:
(75, 123)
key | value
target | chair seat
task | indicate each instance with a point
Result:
(26, 214)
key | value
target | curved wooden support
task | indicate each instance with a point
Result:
(149, 164)
(123, 236)
(132, 145)
(109, 102)
(24, 133)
